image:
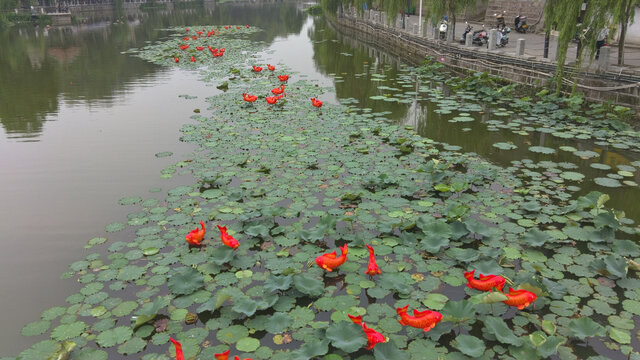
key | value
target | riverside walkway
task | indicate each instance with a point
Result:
(599, 81)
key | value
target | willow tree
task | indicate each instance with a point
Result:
(436, 9)
(563, 15)
(623, 13)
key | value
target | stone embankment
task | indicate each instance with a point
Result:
(599, 81)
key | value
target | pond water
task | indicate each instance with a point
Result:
(81, 123)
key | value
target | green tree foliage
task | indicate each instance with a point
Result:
(623, 13)
(563, 15)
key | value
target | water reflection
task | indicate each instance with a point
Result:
(78, 64)
(354, 61)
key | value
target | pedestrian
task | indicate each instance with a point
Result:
(602, 39)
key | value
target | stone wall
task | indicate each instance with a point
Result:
(532, 9)
(412, 49)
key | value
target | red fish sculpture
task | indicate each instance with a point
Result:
(331, 261)
(184, 47)
(176, 59)
(199, 48)
(228, 239)
(271, 67)
(520, 298)
(179, 353)
(249, 98)
(317, 103)
(186, 38)
(196, 235)
(283, 77)
(485, 282)
(257, 68)
(373, 268)
(373, 337)
(426, 320)
(271, 99)
(222, 356)
(193, 59)
(278, 90)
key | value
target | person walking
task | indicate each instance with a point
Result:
(602, 39)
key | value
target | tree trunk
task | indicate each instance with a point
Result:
(623, 32)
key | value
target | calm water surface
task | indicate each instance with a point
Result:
(81, 124)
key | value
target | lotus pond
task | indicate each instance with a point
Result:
(404, 159)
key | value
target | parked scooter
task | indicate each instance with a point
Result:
(480, 37)
(503, 37)
(443, 29)
(521, 24)
(467, 30)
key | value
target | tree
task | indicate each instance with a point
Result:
(562, 15)
(436, 9)
(623, 13)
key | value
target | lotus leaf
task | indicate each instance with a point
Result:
(346, 336)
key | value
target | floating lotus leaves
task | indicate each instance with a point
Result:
(584, 327)
(535, 237)
(388, 351)
(232, 334)
(571, 175)
(541, 150)
(132, 346)
(501, 331)
(248, 344)
(459, 311)
(36, 328)
(612, 266)
(619, 335)
(245, 305)
(278, 322)
(435, 301)
(42, 350)
(469, 345)
(148, 311)
(274, 283)
(311, 350)
(505, 146)
(68, 331)
(607, 182)
(185, 281)
(114, 336)
(113, 227)
(346, 336)
(489, 298)
(130, 200)
(308, 284)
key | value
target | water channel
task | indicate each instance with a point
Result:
(81, 123)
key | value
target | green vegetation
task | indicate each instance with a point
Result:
(565, 16)
(292, 182)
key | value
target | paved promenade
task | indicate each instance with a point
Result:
(535, 46)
